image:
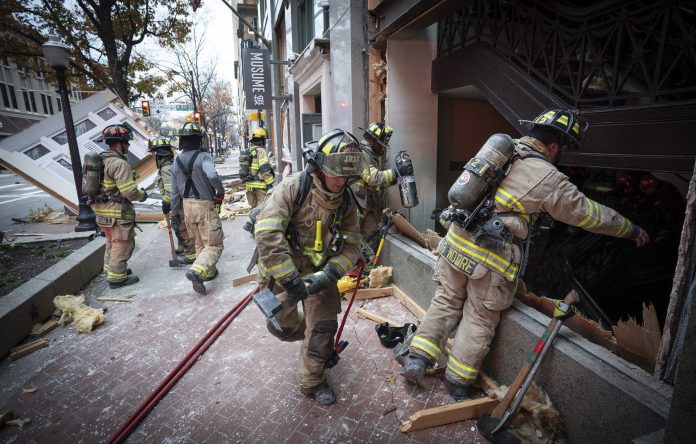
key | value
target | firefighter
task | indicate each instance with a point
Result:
(261, 176)
(113, 208)
(476, 283)
(307, 238)
(368, 190)
(161, 147)
(197, 188)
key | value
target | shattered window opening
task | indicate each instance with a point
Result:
(65, 163)
(106, 114)
(37, 152)
(80, 129)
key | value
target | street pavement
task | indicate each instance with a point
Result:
(241, 390)
(17, 198)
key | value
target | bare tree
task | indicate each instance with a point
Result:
(219, 109)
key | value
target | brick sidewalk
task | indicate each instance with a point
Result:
(241, 390)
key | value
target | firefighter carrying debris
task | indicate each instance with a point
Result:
(161, 147)
(255, 168)
(495, 203)
(307, 238)
(197, 188)
(113, 207)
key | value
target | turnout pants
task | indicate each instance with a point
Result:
(184, 242)
(120, 242)
(316, 327)
(256, 197)
(204, 227)
(470, 305)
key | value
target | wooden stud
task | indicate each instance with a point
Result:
(407, 302)
(42, 329)
(369, 293)
(243, 280)
(29, 347)
(110, 299)
(377, 318)
(446, 414)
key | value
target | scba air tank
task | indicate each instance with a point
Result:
(482, 172)
(244, 163)
(407, 183)
(91, 175)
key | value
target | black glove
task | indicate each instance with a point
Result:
(144, 195)
(404, 168)
(166, 207)
(297, 290)
(322, 280)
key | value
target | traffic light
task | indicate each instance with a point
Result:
(146, 107)
(197, 117)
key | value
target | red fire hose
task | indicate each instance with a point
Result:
(181, 368)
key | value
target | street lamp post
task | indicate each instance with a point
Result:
(56, 54)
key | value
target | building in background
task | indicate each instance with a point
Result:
(26, 98)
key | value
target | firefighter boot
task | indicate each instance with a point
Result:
(130, 280)
(196, 280)
(414, 370)
(322, 393)
(457, 390)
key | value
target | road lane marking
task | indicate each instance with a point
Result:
(13, 200)
(11, 185)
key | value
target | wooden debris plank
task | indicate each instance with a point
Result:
(407, 302)
(30, 234)
(377, 318)
(5, 417)
(446, 414)
(149, 217)
(243, 280)
(408, 230)
(369, 293)
(110, 299)
(29, 347)
(42, 329)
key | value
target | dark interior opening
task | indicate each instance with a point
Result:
(616, 274)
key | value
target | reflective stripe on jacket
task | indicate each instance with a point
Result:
(532, 186)
(119, 184)
(275, 255)
(260, 169)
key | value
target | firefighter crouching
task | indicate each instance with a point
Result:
(483, 252)
(113, 208)
(307, 237)
(197, 188)
(255, 168)
(161, 147)
(369, 189)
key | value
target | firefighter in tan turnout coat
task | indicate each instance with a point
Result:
(369, 189)
(476, 282)
(307, 235)
(113, 208)
(261, 177)
(197, 188)
(164, 156)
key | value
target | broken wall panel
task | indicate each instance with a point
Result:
(41, 155)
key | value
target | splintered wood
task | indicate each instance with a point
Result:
(29, 347)
(369, 293)
(377, 318)
(405, 228)
(640, 340)
(446, 414)
(243, 280)
(41, 329)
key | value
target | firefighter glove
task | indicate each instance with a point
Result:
(166, 207)
(297, 290)
(322, 280)
(404, 168)
(142, 199)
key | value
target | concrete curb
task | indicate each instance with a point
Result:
(32, 302)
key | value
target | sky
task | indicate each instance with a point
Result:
(221, 37)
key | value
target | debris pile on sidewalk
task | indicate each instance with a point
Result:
(46, 214)
(380, 276)
(73, 310)
(536, 421)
